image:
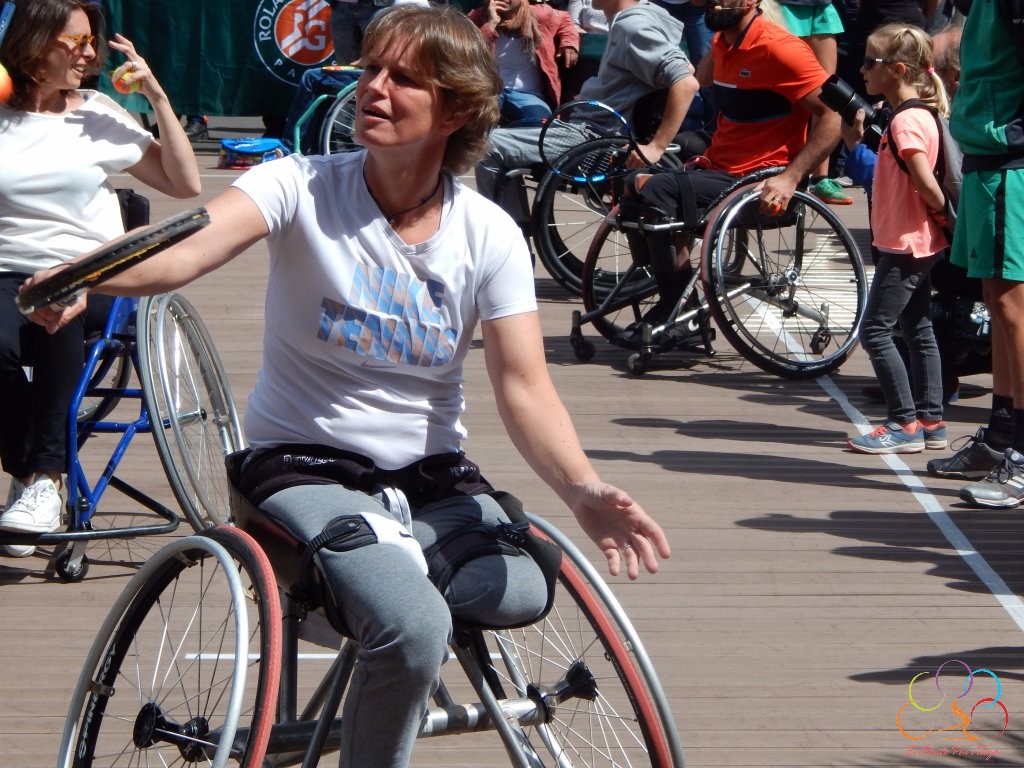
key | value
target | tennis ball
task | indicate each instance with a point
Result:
(6, 86)
(121, 84)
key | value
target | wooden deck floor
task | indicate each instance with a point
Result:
(807, 587)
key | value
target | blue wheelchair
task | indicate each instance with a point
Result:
(151, 367)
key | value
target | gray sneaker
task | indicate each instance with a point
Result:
(1004, 486)
(972, 462)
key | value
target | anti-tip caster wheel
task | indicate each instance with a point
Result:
(71, 571)
(582, 348)
(638, 362)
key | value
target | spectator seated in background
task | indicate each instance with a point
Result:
(643, 55)
(527, 42)
(767, 84)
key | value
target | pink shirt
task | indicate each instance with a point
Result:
(899, 217)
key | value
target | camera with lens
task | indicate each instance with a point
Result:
(839, 96)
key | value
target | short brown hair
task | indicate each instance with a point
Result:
(34, 26)
(450, 51)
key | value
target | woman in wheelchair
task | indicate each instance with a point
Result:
(59, 145)
(381, 265)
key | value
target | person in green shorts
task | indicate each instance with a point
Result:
(817, 23)
(987, 121)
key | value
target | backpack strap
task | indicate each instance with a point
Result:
(940, 160)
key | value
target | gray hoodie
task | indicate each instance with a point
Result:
(642, 55)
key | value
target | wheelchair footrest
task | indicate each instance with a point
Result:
(679, 336)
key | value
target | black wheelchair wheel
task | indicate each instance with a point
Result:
(566, 214)
(787, 291)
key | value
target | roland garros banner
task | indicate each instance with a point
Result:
(228, 57)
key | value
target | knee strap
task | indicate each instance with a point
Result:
(349, 532)
(343, 534)
(447, 555)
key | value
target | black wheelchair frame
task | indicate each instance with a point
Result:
(787, 291)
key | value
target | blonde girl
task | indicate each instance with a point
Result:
(906, 225)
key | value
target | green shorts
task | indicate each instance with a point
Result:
(989, 236)
(807, 20)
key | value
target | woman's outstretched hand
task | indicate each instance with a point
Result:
(620, 527)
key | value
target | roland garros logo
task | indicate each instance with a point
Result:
(292, 36)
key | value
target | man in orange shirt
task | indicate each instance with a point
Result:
(766, 85)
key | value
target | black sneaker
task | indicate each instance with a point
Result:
(196, 129)
(972, 462)
(1004, 486)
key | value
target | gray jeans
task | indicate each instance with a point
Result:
(901, 292)
(400, 620)
(510, 148)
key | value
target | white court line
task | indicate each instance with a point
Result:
(959, 541)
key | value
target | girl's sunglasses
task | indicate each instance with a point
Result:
(870, 61)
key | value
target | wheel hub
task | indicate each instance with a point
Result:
(578, 683)
(151, 726)
(148, 722)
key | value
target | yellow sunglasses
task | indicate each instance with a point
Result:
(80, 42)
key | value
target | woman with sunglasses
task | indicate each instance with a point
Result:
(59, 144)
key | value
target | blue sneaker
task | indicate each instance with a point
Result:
(935, 436)
(888, 438)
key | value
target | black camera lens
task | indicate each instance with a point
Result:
(839, 96)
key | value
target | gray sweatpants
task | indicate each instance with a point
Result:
(400, 620)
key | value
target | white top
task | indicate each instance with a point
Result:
(517, 70)
(56, 202)
(365, 336)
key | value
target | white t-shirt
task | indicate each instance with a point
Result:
(364, 335)
(517, 70)
(56, 202)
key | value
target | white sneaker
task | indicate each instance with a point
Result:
(37, 510)
(19, 550)
(13, 494)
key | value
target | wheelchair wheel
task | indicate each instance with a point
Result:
(338, 132)
(615, 288)
(195, 422)
(604, 699)
(185, 668)
(566, 214)
(788, 291)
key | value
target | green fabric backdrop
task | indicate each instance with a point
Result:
(223, 57)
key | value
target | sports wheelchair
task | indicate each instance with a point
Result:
(787, 291)
(157, 353)
(204, 646)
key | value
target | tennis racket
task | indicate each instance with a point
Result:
(6, 12)
(65, 287)
(580, 125)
